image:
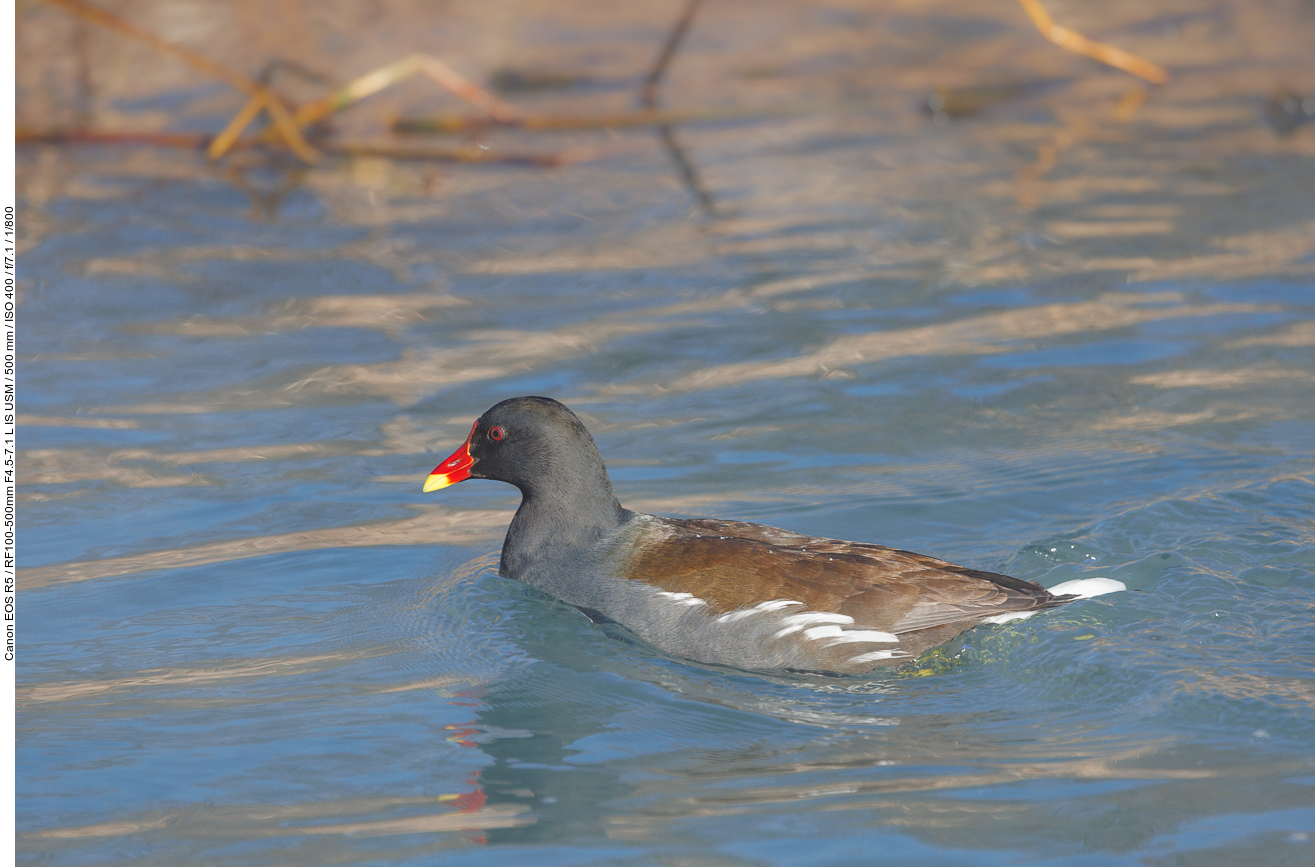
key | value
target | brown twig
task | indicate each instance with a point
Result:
(689, 174)
(1048, 152)
(283, 125)
(265, 202)
(221, 143)
(1129, 103)
(279, 64)
(373, 82)
(456, 155)
(88, 136)
(648, 97)
(262, 96)
(288, 128)
(1076, 42)
(196, 141)
(110, 21)
(619, 120)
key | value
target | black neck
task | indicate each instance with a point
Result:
(557, 523)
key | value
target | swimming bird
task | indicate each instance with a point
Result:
(721, 592)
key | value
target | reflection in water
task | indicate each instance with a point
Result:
(1297, 334)
(435, 525)
(1222, 378)
(1070, 334)
(722, 747)
(975, 335)
(388, 313)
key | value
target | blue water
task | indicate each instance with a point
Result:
(247, 637)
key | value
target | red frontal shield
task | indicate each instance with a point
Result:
(455, 469)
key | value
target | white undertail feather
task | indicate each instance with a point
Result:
(860, 636)
(1085, 588)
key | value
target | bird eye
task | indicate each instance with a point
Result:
(496, 434)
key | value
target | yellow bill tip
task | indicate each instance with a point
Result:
(435, 482)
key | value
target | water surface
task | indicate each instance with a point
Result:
(246, 636)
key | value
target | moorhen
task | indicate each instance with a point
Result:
(721, 592)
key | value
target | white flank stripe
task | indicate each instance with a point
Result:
(862, 635)
(682, 598)
(760, 608)
(1085, 588)
(807, 617)
(775, 605)
(817, 632)
(796, 622)
(846, 636)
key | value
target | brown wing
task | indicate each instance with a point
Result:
(733, 565)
